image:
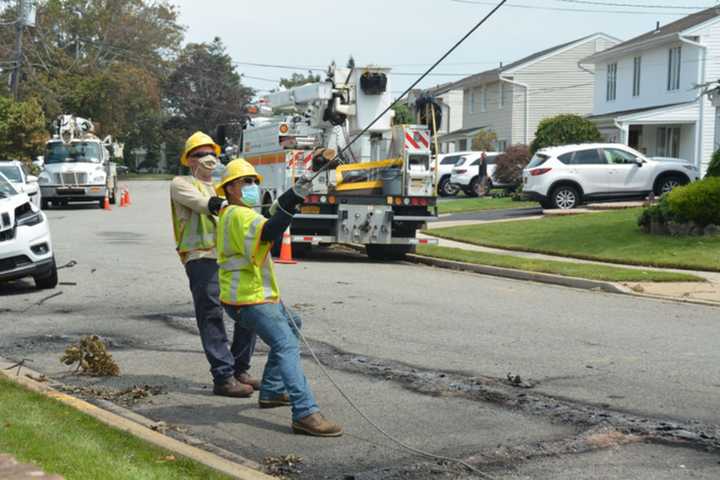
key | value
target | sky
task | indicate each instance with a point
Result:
(408, 35)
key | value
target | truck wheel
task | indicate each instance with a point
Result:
(48, 279)
(44, 204)
(113, 196)
(388, 252)
(101, 203)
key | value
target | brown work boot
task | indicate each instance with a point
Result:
(281, 401)
(248, 380)
(317, 426)
(232, 388)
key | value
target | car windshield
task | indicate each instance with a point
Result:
(537, 160)
(6, 188)
(12, 173)
(58, 152)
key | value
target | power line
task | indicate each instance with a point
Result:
(564, 9)
(633, 5)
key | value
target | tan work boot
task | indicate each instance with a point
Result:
(281, 401)
(247, 379)
(317, 426)
(232, 388)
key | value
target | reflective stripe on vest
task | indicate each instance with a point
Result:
(196, 233)
(242, 280)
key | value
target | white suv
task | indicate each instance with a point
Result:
(25, 245)
(446, 162)
(466, 173)
(564, 177)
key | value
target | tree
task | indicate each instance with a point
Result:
(403, 114)
(564, 130)
(510, 164)
(714, 167)
(22, 129)
(484, 141)
(297, 79)
(203, 92)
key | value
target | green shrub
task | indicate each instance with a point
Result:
(564, 130)
(714, 168)
(697, 202)
(659, 214)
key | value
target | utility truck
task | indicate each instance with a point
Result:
(377, 193)
(77, 164)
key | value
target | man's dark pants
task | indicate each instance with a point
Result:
(205, 288)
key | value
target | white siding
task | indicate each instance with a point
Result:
(557, 85)
(653, 80)
(710, 37)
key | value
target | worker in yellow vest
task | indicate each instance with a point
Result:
(194, 209)
(250, 295)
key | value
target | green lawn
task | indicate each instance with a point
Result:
(568, 269)
(61, 440)
(609, 236)
(479, 204)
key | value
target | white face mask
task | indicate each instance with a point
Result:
(205, 165)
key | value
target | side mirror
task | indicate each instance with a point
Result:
(32, 179)
(639, 162)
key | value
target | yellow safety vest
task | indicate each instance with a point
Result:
(247, 276)
(195, 233)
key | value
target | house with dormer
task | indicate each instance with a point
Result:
(647, 90)
(513, 99)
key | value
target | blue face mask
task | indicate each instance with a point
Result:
(251, 195)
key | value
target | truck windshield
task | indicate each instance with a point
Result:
(58, 152)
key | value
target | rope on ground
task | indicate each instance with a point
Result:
(377, 427)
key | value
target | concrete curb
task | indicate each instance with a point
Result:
(139, 426)
(519, 274)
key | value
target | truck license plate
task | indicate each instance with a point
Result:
(310, 209)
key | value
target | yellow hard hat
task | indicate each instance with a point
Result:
(198, 139)
(236, 169)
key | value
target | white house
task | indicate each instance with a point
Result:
(511, 100)
(646, 89)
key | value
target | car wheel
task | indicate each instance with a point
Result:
(565, 197)
(666, 184)
(48, 279)
(447, 188)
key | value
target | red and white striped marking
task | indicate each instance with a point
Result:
(417, 140)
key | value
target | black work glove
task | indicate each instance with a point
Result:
(215, 204)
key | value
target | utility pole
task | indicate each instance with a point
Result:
(19, 27)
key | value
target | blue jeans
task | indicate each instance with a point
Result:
(225, 360)
(283, 371)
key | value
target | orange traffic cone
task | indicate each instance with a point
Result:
(106, 203)
(286, 250)
(122, 199)
(127, 196)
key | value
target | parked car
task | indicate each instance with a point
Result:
(25, 244)
(565, 177)
(446, 162)
(14, 171)
(466, 173)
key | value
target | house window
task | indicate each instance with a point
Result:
(674, 61)
(637, 66)
(462, 145)
(471, 102)
(501, 95)
(611, 82)
(668, 142)
(483, 99)
(501, 145)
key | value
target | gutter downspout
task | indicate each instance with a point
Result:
(527, 105)
(625, 136)
(701, 117)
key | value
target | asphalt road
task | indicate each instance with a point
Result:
(629, 383)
